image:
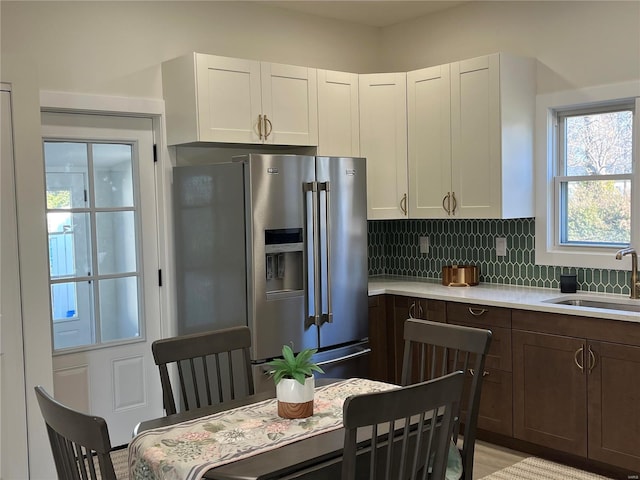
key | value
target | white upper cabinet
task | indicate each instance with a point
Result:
(210, 98)
(429, 113)
(383, 141)
(491, 122)
(289, 104)
(338, 118)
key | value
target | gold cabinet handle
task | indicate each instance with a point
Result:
(412, 309)
(420, 311)
(592, 359)
(260, 126)
(476, 312)
(455, 203)
(403, 204)
(472, 372)
(575, 358)
(447, 198)
(267, 122)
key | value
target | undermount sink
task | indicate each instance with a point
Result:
(622, 305)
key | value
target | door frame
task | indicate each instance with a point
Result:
(38, 337)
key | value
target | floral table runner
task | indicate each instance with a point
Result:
(186, 451)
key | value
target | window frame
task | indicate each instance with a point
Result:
(548, 249)
(561, 178)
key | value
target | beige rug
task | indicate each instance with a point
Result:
(533, 468)
(120, 459)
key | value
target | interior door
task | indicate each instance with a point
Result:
(103, 265)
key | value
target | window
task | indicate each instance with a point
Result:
(587, 203)
(594, 181)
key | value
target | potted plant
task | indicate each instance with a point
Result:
(295, 384)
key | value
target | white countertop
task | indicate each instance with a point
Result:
(509, 296)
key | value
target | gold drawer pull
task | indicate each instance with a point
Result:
(476, 312)
(592, 359)
(575, 358)
(472, 372)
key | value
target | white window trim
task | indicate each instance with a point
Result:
(547, 252)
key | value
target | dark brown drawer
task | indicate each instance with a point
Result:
(499, 355)
(481, 316)
(615, 331)
(422, 308)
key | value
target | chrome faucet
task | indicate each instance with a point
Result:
(635, 287)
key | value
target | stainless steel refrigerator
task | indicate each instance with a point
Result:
(278, 243)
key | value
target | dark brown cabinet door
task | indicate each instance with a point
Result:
(495, 413)
(404, 308)
(379, 358)
(614, 404)
(550, 391)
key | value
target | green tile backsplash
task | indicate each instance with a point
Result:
(393, 250)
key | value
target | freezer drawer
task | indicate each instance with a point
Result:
(345, 362)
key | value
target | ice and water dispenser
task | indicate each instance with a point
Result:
(284, 261)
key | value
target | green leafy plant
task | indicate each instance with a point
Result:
(294, 366)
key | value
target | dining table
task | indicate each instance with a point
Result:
(244, 439)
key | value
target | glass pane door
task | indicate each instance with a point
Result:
(93, 242)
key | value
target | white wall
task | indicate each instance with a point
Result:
(577, 43)
(115, 48)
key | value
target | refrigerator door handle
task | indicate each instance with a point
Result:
(314, 318)
(345, 358)
(326, 186)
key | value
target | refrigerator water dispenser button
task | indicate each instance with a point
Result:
(269, 267)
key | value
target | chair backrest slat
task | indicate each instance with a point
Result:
(77, 440)
(463, 348)
(230, 346)
(411, 430)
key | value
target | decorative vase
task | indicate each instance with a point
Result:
(294, 399)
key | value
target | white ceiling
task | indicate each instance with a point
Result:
(380, 13)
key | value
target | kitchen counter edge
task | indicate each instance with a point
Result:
(498, 295)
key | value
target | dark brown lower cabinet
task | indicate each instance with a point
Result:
(495, 413)
(404, 308)
(379, 358)
(496, 401)
(614, 404)
(550, 391)
(563, 383)
(578, 396)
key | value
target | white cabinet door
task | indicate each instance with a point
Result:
(289, 104)
(229, 99)
(429, 107)
(338, 118)
(475, 137)
(383, 141)
(211, 99)
(492, 124)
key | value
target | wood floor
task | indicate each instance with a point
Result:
(489, 458)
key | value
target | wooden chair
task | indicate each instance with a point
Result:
(434, 349)
(417, 450)
(208, 366)
(77, 441)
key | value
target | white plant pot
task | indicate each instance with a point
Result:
(294, 399)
